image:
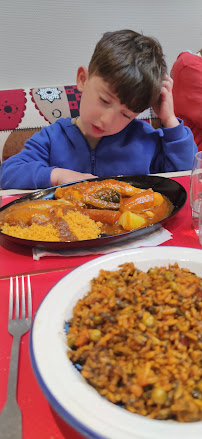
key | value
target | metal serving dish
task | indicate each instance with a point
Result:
(174, 191)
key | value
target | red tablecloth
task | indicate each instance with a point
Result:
(16, 259)
(181, 225)
(39, 420)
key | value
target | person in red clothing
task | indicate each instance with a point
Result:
(187, 92)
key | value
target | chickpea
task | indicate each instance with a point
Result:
(149, 214)
(152, 271)
(149, 321)
(173, 286)
(97, 320)
(158, 395)
(169, 275)
(95, 334)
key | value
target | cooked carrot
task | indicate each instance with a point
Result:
(105, 216)
(138, 202)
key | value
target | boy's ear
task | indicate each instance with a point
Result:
(82, 75)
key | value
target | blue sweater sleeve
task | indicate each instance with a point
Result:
(176, 150)
(30, 168)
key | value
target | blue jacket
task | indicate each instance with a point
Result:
(137, 149)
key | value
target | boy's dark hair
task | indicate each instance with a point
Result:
(133, 65)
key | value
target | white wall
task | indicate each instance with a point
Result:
(42, 42)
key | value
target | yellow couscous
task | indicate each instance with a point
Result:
(34, 232)
(80, 226)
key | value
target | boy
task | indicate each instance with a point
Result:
(126, 75)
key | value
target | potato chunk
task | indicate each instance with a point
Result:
(129, 221)
(158, 199)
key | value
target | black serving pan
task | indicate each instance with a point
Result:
(173, 191)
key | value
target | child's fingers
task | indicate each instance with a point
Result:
(167, 83)
(167, 78)
(163, 94)
(166, 93)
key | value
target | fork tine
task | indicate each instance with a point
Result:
(16, 298)
(11, 299)
(23, 297)
(29, 297)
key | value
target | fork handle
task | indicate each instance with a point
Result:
(13, 369)
(10, 416)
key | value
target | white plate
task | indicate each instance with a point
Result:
(66, 390)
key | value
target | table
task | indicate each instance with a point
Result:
(39, 419)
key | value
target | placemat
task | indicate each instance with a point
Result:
(159, 236)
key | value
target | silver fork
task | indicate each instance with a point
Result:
(18, 324)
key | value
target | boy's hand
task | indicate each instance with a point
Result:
(164, 108)
(62, 176)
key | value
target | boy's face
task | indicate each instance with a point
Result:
(101, 113)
